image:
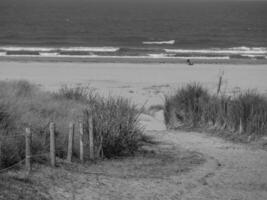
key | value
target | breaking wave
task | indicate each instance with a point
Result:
(91, 49)
(59, 49)
(234, 50)
(137, 52)
(170, 42)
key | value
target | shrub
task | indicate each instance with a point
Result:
(188, 102)
(245, 114)
(249, 110)
(25, 105)
(116, 126)
(75, 93)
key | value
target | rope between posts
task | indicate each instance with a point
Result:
(2, 170)
(28, 136)
(37, 155)
(34, 156)
(18, 135)
(12, 136)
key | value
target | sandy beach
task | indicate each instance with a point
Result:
(217, 169)
(141, 82)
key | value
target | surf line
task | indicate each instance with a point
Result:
(171, 42)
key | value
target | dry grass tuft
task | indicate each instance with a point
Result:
(25, 105)
(242, 115)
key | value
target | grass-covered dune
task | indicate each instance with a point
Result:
(243, 116)
(22, 104)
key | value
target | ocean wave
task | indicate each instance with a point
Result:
(58, 49)
(91, 49)
(171, 42)
(23, 53)
(55, 55)
(49, 54)
(252, 55)
(138, 49)
(258, 57)
(244, 48)
(204, 57)
(151, 56)
(234, 50)
(161, 55)
(136, 52)
(157, 55)
(38, 49)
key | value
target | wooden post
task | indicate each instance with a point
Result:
(0, 154)
(81, 141)
(28, 149)
(91, 138)
(219, 85)
(52, 144)
(241, 127)
(70, 142)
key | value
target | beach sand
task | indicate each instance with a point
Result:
(144, 83)
(230, 171)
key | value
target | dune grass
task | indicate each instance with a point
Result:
(22, 104)
(244, 114)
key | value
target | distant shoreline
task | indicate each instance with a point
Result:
(129, 60)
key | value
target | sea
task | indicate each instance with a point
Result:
(203, 29)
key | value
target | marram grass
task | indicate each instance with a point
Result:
(193, 106)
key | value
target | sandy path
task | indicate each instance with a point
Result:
(229, 172)
(232, 171)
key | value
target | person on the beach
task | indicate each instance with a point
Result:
(189, 62)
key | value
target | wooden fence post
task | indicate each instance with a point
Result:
(70, 142)
(28, 149)
(81, 141)
(91, 138)
(219, 85)
(241, 129)
(0, 154)
(52, 144)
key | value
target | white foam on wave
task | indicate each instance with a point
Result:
(161, 55)
(234, 50)
(49, 54)
(153, 56)
(159, 42)
(76, 56)
(92, 49)
(10, 48)
(253, 56)
(244, 48)
(55, 49)
(204, 57)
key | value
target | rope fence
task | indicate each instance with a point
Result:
(20, 162)
(52, 146)
(11, 136)
(12, 166)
